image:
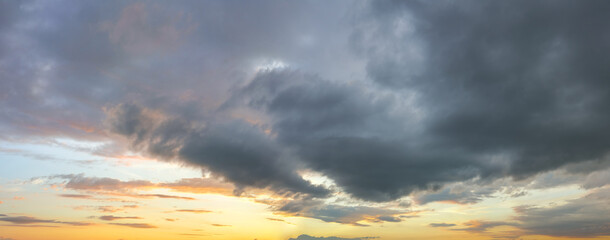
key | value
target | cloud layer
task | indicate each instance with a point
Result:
(436, 101)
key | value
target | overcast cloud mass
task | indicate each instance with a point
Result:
(392, 103)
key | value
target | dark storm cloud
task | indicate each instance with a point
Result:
(239, 152)
(447, 92)
(358, 138)
(525, 81)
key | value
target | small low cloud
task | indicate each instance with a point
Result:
(441, 225)
(116, 187)
(354, 215)
(161, 196)
(219, 225)
(135, 225)
(478, 226)
(81, 196)
(106, 209)
(112, 218)
(32, 220)
(194, 210)
(308, 237)
(278, 220)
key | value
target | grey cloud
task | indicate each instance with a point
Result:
(79, 196)
(582, 217)
(31, 220)
(63, 61)
(112, 218)
(467, 196)
(441, 224)
(308, 237)
(358, 138)
(329, 212)
(482, 226)
(523, 81)
(239, 152)
(452, 92)
(106, 209)
(115, 187)
(135, 225)
(585, 217)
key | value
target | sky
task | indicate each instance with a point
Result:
(304, 120)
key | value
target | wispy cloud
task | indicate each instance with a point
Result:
(33, 220)
(441, 225)
(112, 218)
(219, 225)
(115, 187)
(135, 225)
(80, 196)
(194, 210)
(308, 237)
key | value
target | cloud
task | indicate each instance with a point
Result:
(584, 217)
(220, 225)
(338, 213)
(407, 98)
(160, 196)
(193, 210)
(239, 152)
(81, 196)
(115, 187)
(581, 217)
(112, 218)
(278, 220)
(107, 209)
(478, 226)
(520, 103)
(31, 220)
(441, 225)
(142, 28)
(307, 237)
(135, 225)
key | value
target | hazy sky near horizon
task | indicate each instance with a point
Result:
(304, 120)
